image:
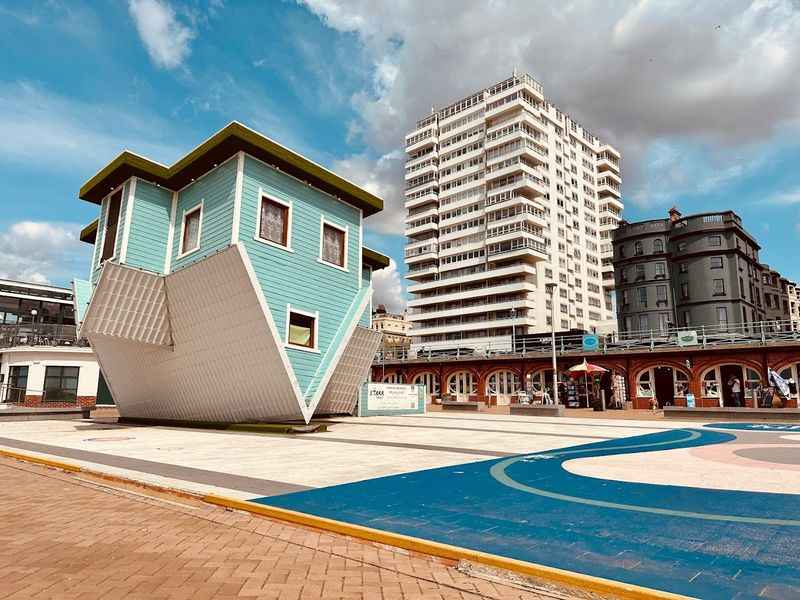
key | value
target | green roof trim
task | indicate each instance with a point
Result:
(231, 139)
(374, 259)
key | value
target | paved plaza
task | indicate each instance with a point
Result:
(702, 509)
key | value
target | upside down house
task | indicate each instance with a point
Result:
(231, 286)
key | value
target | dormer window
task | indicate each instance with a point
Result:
(274, 222)
(190, 229)
(333, 245)
(112, 220)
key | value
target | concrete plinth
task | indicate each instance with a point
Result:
(537, 410)
(731, 413)
(27, 413)
(468, 406)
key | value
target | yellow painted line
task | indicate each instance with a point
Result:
(597, 585)
(41, 461)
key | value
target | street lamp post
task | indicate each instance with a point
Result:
(34, 312)
(551, 287)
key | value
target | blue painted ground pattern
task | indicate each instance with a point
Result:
(698, 542)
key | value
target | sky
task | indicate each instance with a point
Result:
(701, 98)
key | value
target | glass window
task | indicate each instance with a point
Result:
(640, 271)
(661, 270)
(190, 239)
(333, 245)
(685, 290)
(644, 386)
(681, 383)
(642, 296)
(61, 384)
(711, 384)
(644, 324)
(638, 249)
(714, 240)
(752, 381)
(658, 245)
(274, 222)
(716, 262)
(302, 330)
(17, 383)
(719, 287)
(663, 322)
(722, 316)
(112, 219)
(687, 318)
(684, 268)
(661, 293)
(681, 246)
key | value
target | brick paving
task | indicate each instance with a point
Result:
(70, 537)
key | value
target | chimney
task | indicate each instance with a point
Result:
(674, 214)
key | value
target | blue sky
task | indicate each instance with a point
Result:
(702, 101)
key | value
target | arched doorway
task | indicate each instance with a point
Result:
(461, 385)
(501, 386)
(718, 383)
(430, 381)
(394, 378)
(666, 384)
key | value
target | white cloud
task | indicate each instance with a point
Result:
(43, 252)
(680, 74)
(57, 133)
(786, 198)
(165, 37)
(388, 288)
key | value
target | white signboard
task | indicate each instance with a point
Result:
(392, 396)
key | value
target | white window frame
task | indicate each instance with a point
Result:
(343, 228)
(313, 315)
(262, 195)
(188, 211)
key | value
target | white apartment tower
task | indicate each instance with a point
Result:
(505, 193)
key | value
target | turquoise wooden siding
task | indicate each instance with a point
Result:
(298, 278)
(366, 281)
(149, 229)
(98, 251)
(216, 191)
(82, 293)
(123, 213)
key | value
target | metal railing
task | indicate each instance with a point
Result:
(704, 336)
(39, 334)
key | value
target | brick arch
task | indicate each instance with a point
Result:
(449, 372)
(786, 362)
(666, 362)
(741, 362)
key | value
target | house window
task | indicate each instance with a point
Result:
(716, 262)
(663, 322)
(621, 251)
(61, 384)
(273, 221)
(687, 318)
(684, 290)
(638, 249)
(334, 244)
(643, 323)
(661, 270)
(629, 324)
(714, 240)
(661, 293)
(190, 230)
(684, 268)
(639, 272)
(642, 296)
(719, 287)
(625, 297)
(17, 384)
(302, 329)
(658, 245)
(681, 246)
(112, 220)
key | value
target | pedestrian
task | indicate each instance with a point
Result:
(736, 390)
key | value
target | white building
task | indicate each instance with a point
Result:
(793, 291)
(504, 194)
(43, 362)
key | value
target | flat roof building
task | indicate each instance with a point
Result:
(506, 193)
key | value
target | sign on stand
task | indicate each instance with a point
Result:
(391, 399)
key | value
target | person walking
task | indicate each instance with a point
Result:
(736, 390)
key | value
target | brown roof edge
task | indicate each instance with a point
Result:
(374, 259)
(89, 233)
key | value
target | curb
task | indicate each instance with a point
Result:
(590, 583)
